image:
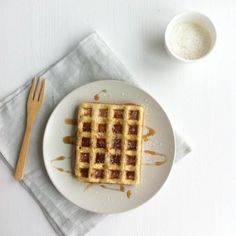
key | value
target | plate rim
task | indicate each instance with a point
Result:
(112, 81)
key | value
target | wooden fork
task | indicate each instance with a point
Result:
(34, 103)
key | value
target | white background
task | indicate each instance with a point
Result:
(199, 198)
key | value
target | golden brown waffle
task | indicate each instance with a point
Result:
(109, 145)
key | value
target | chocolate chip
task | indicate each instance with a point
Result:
(86, 142)
(100, 158)
(132, 145)
(115, 159)
(133, 129)
(134, 115)
(116, 143)
(98, 173)
(103, 112)
(84, 157)
(131, 160)
(84, 172)
(130, 175)
(102, 128)
(101, 143)
(87, 126)
(115, 174)
(117, 128)
(118, 114)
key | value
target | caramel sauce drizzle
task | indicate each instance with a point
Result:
(121, 189)
(69, 140)
(70, 121)
(97, 96)
(60, 158)
(151, 132)
(156, 163)
(62, 170)
(130, 103)
(129, 193)
(154, 153)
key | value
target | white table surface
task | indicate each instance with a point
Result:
(199, 197)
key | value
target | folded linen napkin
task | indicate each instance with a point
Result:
(91, 60)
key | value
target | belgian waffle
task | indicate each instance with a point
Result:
(109, 143)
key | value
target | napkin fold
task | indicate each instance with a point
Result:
(91, 60)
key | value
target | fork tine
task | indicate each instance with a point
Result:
(42, 92)
(37, 90)
(31, 94)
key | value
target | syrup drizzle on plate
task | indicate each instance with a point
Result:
(62, 170)
(97, 96)
(129, 194)
(70, 121)
(60, 158)
(154, 153)
(156, 163)
(120, 189)
(69, 140)
(151, 132)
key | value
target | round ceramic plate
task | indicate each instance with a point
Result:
(59, 149)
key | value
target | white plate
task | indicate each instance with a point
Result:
(96, 198)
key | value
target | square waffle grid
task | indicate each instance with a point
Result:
(109, 143)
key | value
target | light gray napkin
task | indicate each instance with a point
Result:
(91, 60)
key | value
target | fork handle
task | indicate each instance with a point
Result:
(19, 173)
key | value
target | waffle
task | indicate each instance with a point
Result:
(109, 143)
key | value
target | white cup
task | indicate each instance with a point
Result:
(190, 17)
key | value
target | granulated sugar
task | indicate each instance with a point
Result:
(189, 40)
